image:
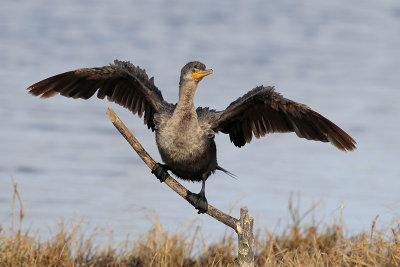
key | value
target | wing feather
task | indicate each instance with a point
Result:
(122, 83)
(262, 111)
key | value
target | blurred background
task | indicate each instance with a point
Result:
(70, 162)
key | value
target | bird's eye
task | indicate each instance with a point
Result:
(193, 70)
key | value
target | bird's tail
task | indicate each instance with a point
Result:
(227, 172)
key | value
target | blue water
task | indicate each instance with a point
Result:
(340, 59)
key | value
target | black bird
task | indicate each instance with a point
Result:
(185, 134)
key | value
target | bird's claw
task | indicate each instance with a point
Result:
(198, 201)
(160, 171)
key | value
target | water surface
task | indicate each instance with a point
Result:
(69, 162)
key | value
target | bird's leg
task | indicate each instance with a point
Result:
(199, 200)
(160, 171)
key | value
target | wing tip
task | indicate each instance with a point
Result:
(343, 142)
(37, 90)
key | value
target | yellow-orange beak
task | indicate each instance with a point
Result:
(200, 74)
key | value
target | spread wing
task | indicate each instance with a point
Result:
(122, 83)
(262, 111)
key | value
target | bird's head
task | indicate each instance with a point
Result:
(193, 72)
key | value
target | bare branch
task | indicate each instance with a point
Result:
(243, 227)
(171, 182)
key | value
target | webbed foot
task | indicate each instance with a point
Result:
(160, 171)
(198, 201)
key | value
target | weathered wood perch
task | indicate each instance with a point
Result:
(243, 227)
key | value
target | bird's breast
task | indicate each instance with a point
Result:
(183, 142)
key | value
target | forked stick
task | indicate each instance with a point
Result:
(243, 227)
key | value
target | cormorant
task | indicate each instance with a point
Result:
(184, 133)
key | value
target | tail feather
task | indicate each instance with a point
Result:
(227, 172)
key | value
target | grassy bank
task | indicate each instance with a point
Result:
(299, 245)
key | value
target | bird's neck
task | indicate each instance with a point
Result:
(186, 95)
(185, 117)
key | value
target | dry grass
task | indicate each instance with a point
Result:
(297, 246)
